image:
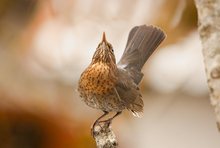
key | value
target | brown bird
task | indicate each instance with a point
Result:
(113, 87)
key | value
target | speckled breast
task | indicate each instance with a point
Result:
(96, 87)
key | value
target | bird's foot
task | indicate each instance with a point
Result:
(100, 126)
(93, 129)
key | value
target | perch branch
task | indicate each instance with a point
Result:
(104, 136)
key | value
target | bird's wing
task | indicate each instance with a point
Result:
(129, 93)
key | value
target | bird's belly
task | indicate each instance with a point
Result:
(106, 102)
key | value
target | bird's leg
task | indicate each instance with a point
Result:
(97, 121)
(108, 121)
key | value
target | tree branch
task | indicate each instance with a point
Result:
(209, 29)
(104, 136)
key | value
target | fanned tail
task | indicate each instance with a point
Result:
(142, 41)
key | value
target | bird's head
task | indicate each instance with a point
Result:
(104, 52)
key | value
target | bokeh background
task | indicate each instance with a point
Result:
(46, 44)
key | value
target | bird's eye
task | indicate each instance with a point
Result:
(110, 47)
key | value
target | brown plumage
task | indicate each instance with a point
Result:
(113, 87)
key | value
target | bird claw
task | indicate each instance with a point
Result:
(94, 132)
(106, 124)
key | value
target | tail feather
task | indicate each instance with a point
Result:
(131, 34)
(137, 114)
(136, 107)
(142, 41)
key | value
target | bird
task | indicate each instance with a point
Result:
(114, 87)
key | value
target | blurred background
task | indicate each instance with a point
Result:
(46, 44)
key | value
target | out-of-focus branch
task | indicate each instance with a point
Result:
(209, 29)
(105, 137)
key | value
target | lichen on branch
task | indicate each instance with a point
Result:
(104, 136)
